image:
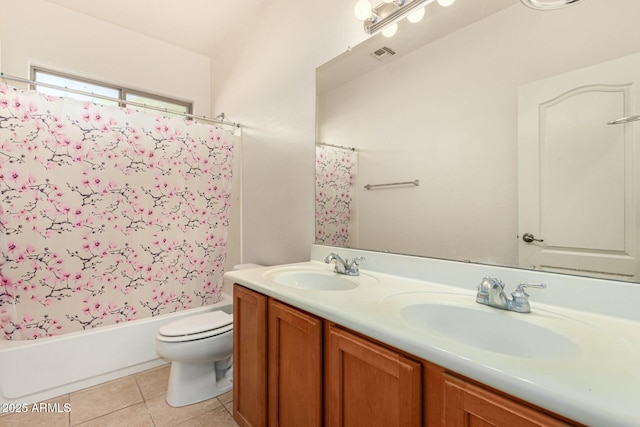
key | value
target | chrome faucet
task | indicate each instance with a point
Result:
(344, 266)
(491, 293)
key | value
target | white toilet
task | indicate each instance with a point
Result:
(200, 348)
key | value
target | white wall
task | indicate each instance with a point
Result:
(447, 114)
(36, 32)
(271, 91)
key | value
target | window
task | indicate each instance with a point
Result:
(116, 94)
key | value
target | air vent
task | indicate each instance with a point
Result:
(383, 53)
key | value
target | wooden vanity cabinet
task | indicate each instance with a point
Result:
(249, 357)
(292, 368)
(295, 367)
(367, 384)
(466, 404)
(277, 374)
(453, 401)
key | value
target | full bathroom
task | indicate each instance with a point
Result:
(443, 219)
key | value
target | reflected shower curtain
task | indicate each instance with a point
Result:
(107, 215)
(335, 176)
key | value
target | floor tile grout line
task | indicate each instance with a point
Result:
(148, 409)
(144, 398)
(115, 410)
(140, 384)
(103, 415)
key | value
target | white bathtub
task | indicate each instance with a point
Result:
(36, 370)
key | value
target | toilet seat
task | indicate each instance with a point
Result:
(196, 327)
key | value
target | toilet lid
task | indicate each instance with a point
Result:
(197, 324)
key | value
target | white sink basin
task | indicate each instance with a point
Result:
(317, 279)
(490, 331)
(459, 318)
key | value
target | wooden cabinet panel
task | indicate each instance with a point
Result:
(468, 405)
(369, 385)
(282, 379)
(295, 367)
(249, 357)
(432, 386)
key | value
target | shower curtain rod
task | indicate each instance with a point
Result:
(336, 146)
(120, 101)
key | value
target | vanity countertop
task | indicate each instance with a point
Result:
(595, 382)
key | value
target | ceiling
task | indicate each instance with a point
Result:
(202, 26)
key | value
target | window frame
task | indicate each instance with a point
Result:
(123, 91)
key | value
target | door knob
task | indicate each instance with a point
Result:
(528, 237)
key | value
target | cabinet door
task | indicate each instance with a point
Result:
(433, 394)
(249, 357)
(467, 405)
(369, 385)
(295, 367)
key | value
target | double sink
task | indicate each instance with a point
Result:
(452, 315)
(575, 353)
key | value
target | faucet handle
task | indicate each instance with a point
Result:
(352, 267)
(519, 292)
(520, 301)
(354, 261)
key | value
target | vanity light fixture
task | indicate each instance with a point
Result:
(386, 15)
(548, 4)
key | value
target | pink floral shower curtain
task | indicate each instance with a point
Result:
(107, 215)
(335, 175)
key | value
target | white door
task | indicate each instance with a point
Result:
(577, 192)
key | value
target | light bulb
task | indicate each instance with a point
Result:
(416, 16)
(363, 10)
(445, 3)
(390, 30)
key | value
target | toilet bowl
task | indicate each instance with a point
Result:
(200, 349)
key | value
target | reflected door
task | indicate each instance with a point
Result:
(577, 199)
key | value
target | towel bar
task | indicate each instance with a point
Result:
(370, 186)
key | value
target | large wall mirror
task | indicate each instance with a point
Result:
(491, 118)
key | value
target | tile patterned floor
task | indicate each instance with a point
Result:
(137, 400)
